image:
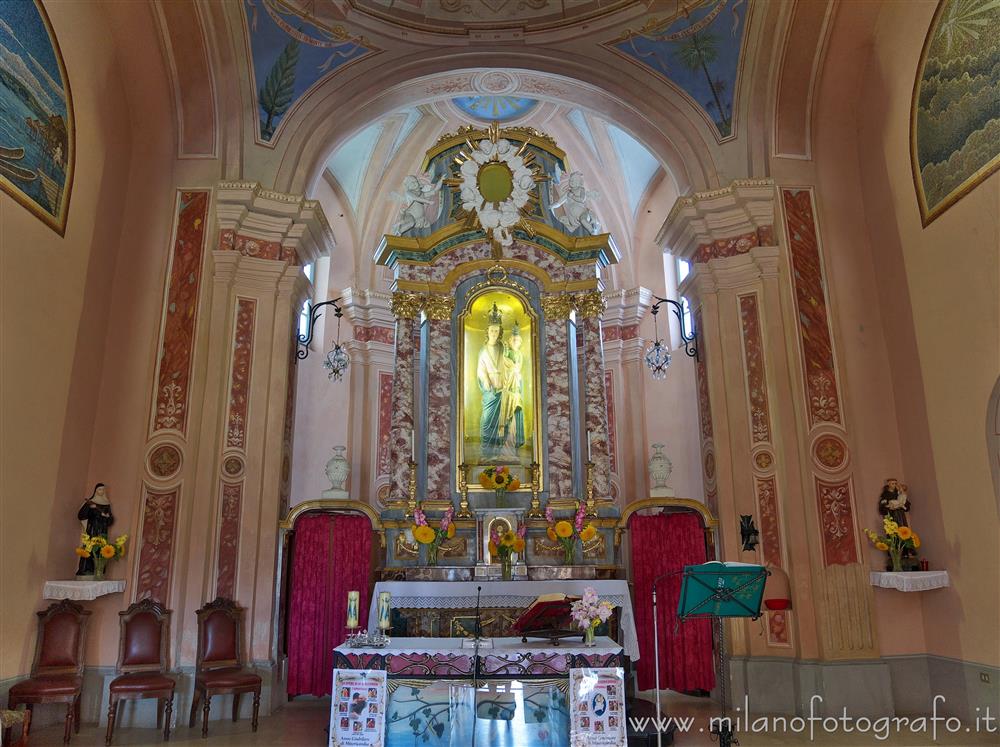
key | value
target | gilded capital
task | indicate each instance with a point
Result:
(438, 307)
(590, 304)
(405, 305)
(557, 305)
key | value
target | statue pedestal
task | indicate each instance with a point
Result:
(661, 493)
(336, 494)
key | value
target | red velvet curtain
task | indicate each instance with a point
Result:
(662, 544)
(331, 555)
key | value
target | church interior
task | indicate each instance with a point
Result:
(494, 373)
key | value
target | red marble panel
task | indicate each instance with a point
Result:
(159, 514)
(770, 525)
(609, 395)
(239, 374)
(753, 355)
(229, 539)
(384, 421)
(730, 247)
(811, 303)
(610, 333)
(701, 373)
(630, 332)
(385, 335)
(180, 314)
(836, 516)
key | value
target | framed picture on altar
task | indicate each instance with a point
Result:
(499, 394)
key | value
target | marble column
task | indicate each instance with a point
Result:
(595, 407)
(401, 429)
(559, 481)
(440, 434)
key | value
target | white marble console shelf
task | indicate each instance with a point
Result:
(78, 590)
(910, 580)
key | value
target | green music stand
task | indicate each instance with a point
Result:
(716, 590)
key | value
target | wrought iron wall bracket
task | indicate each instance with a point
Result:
(689, 338)
(304, 340)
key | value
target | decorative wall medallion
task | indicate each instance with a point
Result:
(383, 494)
(180, 315)
(164, 461)
(495, 82)
(830, 452)
(710, 465)
(763, 460)
(156, 551)
(232, 466)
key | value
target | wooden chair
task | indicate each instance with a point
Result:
(142, 663)
(57, 671)
(219, 669)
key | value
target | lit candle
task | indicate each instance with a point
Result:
(353, 599)
(589, 458)
(383, 610)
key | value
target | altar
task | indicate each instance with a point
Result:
(414, 596)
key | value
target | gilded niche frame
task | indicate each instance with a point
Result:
(497, 283)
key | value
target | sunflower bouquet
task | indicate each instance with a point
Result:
(896, 540)
(499, 480)
(425, 534)
(566, 532)
(101, 550)
(504, 546)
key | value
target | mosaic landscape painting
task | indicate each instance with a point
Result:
(955, 115)
(36, 114)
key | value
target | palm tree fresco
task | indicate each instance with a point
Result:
(698, 51)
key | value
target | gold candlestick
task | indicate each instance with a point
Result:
(591, 507)
(535, 512)
(411, 499)
(463, 489)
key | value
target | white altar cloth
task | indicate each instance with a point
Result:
(604, 645)
(86, 590)
(462, 594)
(910, 580)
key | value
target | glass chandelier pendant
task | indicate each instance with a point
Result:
(657, 360)
(336, 362)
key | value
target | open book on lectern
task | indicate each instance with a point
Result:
(547, 617)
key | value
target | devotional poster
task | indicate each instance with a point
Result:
(597, 707)
(36, 114)
(357, 708)
(498, 418)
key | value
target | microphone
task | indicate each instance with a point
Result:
(479, 621)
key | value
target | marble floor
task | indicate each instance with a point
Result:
(302, 723)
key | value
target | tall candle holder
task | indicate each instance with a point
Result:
(591, 504)
(535, 511)
(463, 489)
(411, 492)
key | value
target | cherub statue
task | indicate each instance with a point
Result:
(421, 203)
(572, 196)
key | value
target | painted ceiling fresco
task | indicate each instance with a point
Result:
(697, 50)
(494, 108)
(291, 52)
(461, 16)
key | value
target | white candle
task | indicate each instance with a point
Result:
(353, 599)
(413, 446)
(589, 458)
(383, 610)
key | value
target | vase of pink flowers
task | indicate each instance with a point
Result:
(589, 612)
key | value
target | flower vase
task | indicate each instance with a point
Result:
(501, 500)
(588, 636)
(896, 559)
(432, 553)
(507, 568)
(568, 554)
(99, 565)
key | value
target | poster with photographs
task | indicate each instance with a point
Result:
(357, 708)
(597, 707)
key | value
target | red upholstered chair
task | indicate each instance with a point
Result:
(220, 661)
(57, 672)
(142, 661)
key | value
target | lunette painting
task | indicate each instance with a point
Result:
(36, 114)
(955, 112)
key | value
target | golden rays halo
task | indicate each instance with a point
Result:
(496, 185)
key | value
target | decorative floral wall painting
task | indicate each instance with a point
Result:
(291, 50)
(697, 48)
(955, 113)
(36, 114)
